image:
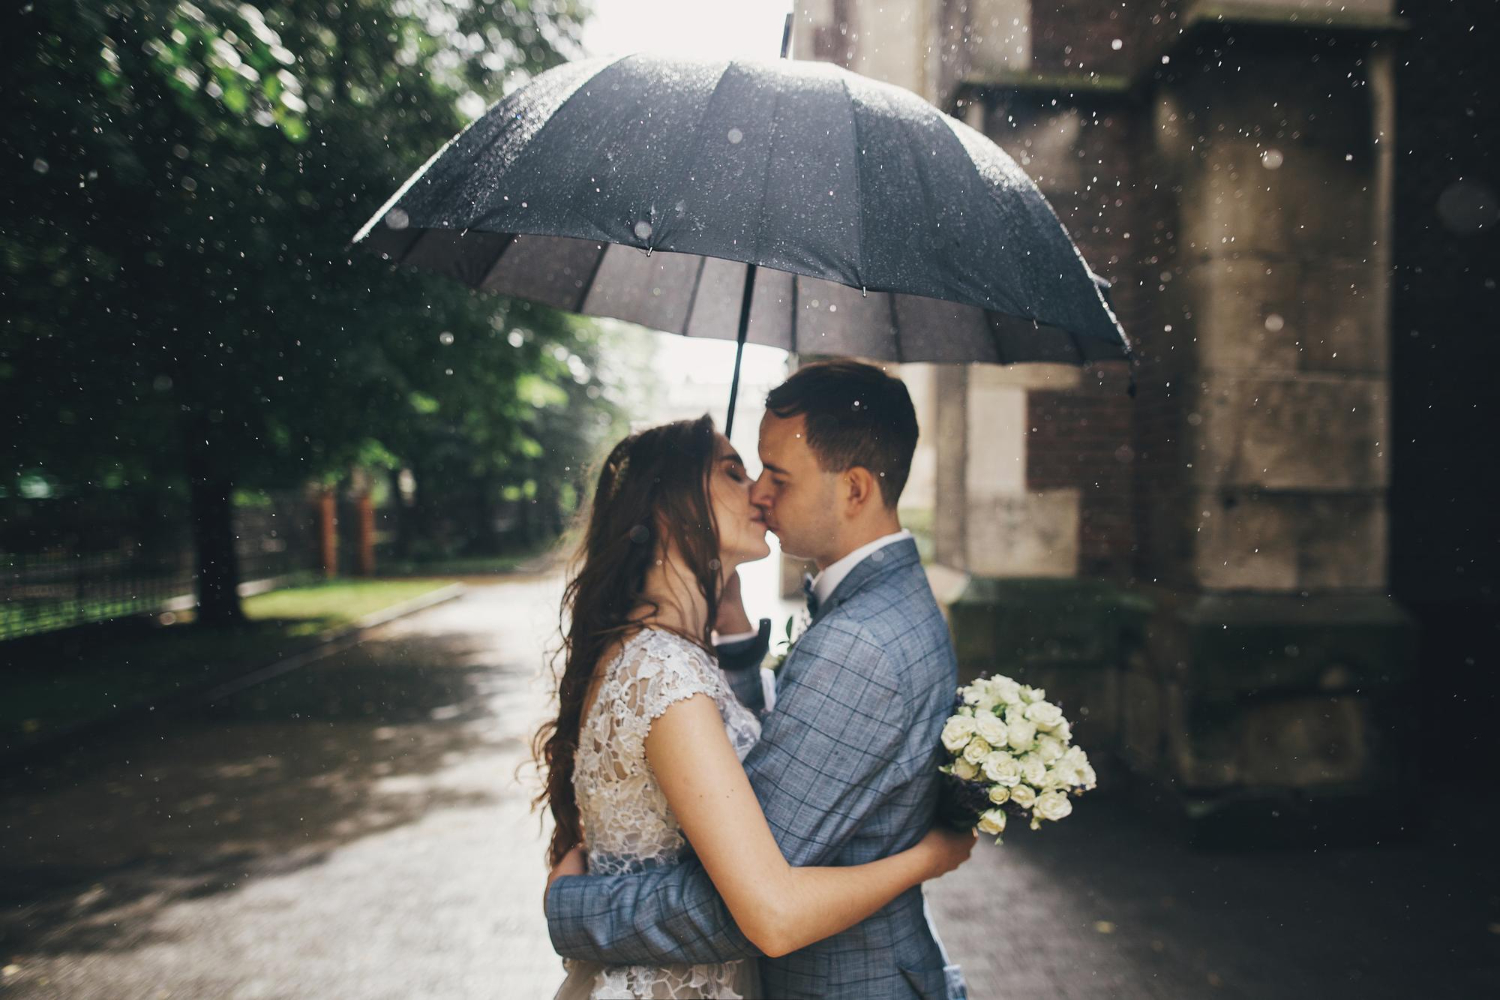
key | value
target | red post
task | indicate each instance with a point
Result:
(328, 535)
(366, 535)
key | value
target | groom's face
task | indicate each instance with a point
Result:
(794, 493)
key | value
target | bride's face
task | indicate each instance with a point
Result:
(742, 527)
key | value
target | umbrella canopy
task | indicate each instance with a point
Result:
(795, 204)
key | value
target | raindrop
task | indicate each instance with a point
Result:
(397, 219)
(736, 136)
(445, 338)
(1275, 323)
(514, 338)
(1467, 207)
(40, 165)
(1272, 159)
(639, 535)
(1116, 44)
(643, 230)
(714, 564)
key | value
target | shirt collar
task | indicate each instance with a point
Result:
(826, 582)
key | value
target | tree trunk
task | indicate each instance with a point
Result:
(213, 539)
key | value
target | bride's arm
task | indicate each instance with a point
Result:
(778, 907)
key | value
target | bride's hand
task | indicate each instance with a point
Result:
(575, 862)
(732, 618)
(947, 849)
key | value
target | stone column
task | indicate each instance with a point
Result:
(1269, 705)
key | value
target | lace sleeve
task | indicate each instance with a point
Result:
(654, 674)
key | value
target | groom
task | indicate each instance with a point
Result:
(846, 767)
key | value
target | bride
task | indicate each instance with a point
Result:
(643, 760)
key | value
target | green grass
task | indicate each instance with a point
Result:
(53, 681)
(314, 609)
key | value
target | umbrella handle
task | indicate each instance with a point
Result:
(739, 343)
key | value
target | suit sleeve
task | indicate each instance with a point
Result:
(741, 662)
(820, 770)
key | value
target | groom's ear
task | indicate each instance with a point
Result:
(861, 489)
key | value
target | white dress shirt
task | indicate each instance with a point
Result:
(826, 582)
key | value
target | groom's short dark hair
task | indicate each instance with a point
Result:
(857, 415)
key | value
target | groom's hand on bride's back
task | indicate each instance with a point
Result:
(575, 862)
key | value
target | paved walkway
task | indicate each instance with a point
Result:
(356, 830)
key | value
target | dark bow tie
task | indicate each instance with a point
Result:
(807, 589)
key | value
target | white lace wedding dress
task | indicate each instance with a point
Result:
(626, 820)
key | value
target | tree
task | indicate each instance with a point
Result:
(179, 306)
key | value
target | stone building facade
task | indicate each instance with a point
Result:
(1202, 572)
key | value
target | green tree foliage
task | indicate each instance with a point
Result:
(178, 304)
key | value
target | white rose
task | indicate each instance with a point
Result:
(1031, 694)
(1005, 689)
(1023, 796)
(1075, 757)
(1033, 770)
(1021, 733)
(963, 769)
(1001, 768)
(977, 751)
(985, 705)
(1060, 777)
(1049, 749)
(1053, 805)
(992, 821)
(1063, 731)
(1046, 715)
(1088, 779)
(991, 729)
(999, 795)
(956, 733)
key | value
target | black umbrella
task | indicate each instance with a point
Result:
(792, 204)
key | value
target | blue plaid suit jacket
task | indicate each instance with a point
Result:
(846, 772)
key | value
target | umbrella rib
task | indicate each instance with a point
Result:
(687, 318)
(796, 315)
(588, 284)
(489, 272)
(994, 336)
(890, 301)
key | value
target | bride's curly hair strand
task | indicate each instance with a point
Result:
(653, 489)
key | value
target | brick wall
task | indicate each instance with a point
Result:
(1083, 438)
(1080, 439)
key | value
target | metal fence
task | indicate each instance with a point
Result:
(96, 557)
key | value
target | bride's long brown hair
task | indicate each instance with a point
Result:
(652, 497)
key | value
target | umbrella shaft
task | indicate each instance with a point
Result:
(739, 344)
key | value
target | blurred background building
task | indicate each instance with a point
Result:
(1262, 578)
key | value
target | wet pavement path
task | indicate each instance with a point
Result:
(356, 829)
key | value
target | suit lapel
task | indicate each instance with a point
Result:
(897, 555)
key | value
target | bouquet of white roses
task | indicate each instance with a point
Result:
(1009, 750)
